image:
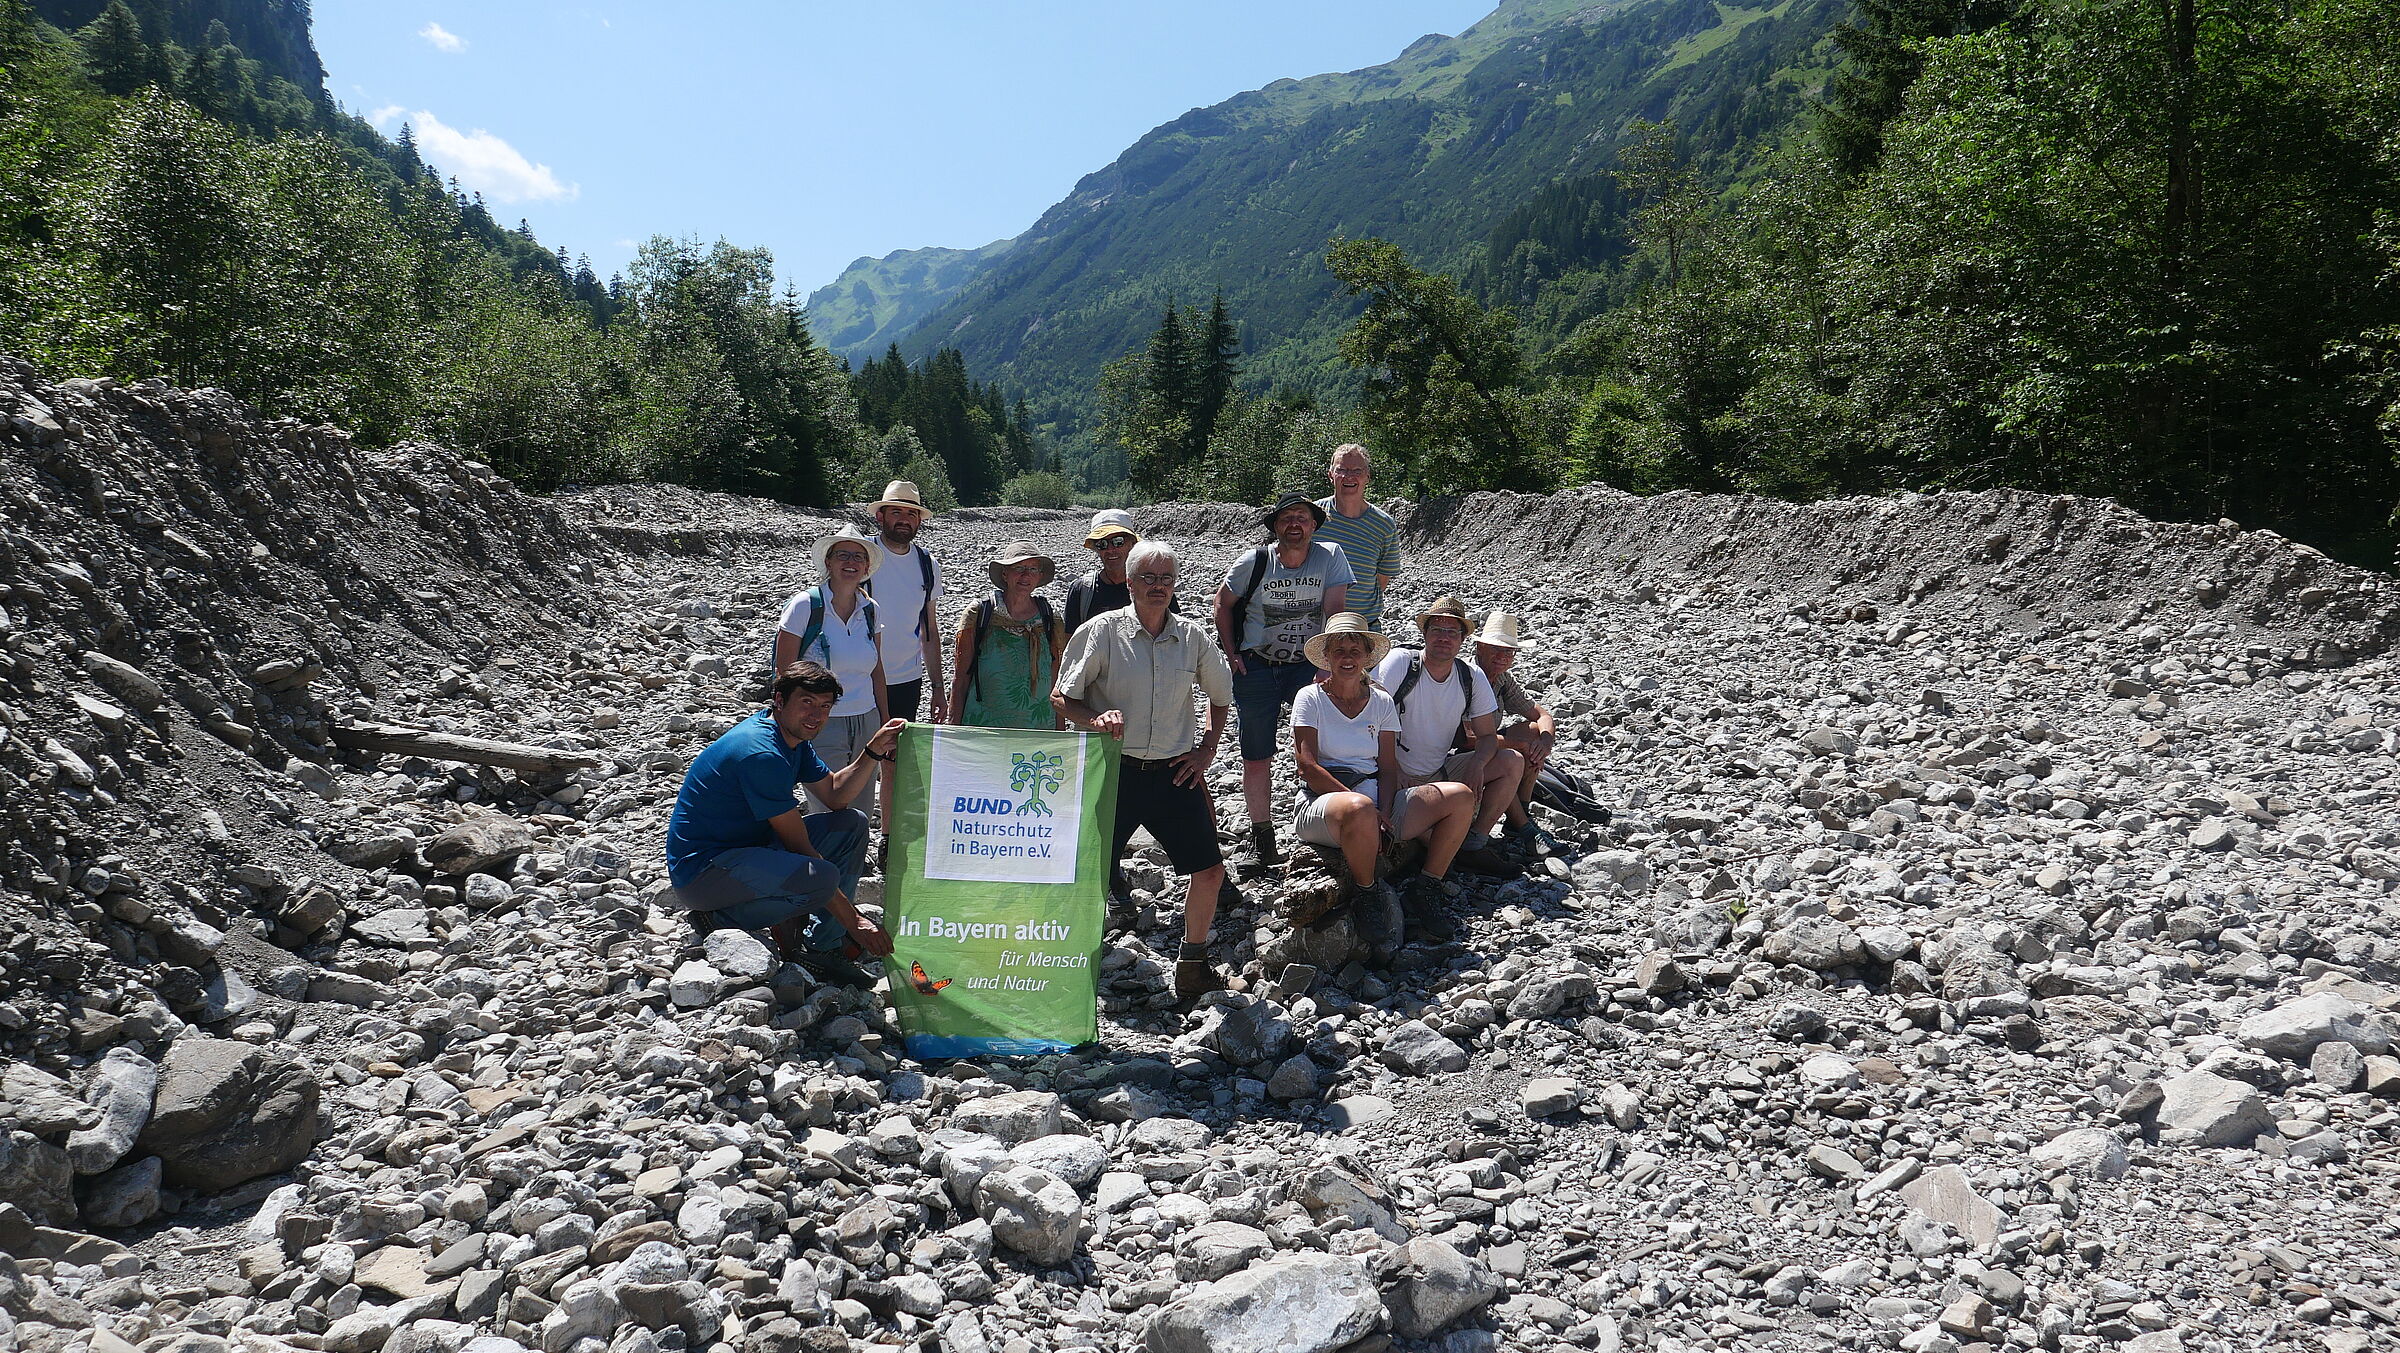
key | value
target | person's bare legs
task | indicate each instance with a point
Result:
(1440, 818)
(1200, 904)
(1525, 744)
(1258, 789)
(1352, 817)
(1497, 790)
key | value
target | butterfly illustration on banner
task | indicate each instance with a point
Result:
(925, 985)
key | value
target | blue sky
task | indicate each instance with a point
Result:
(821, 131)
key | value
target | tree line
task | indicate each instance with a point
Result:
(2140, 248)
(187, 213)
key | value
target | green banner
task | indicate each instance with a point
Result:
(996, 888)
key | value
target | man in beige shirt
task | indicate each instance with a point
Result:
(1130, 674)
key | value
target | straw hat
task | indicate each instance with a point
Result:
(901, 493)
(1021, 552)
(1499, 630)
(1446, 608)
(847, 535)
(1352, 623)
(1114, 521)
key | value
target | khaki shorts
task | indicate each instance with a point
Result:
(838, 744)
(1454, 768)
(1314, 822)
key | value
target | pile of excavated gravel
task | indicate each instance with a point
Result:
(1995, 948)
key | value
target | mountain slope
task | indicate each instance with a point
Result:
(1430, 151)
(878, 300)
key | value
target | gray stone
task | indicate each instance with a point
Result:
(1944, 1194)
(2293, 1029)
(1077, 1160)
(37, 1178)
(1549, 1095)
(479, 846)
(1248, 1035)
(1295, 1077)
(2093, 1152)
(1019, 1116)
(1213, 1249)
(683, 1305)
(1305, 1303)
(696, 983)
(2205, 1109)
(398, 928)
(1428, 1286)
(1814, 942)
(1417, 1050)
(229, 1112)
(1032, 1212)
(1545, 994)
(42, 1103)
(125, 1196)
(2337, 1066)
(1339, 1200)
(740, 955)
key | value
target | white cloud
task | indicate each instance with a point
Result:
(481, 162)
(442, 38)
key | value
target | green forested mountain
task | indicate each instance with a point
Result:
(1434, 152)
(272, 33)
(877, 300)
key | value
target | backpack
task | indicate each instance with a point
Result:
(814, 633)
(1416, 668)
(982, 611)
(1568, 793)
(924, 569)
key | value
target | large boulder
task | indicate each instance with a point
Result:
(478, 846)
(121, 1087)
(1305, 1303)
(1033, 1212)
(1429, 1286)
(35, 1176)
(229, 1112)
(2206, 1109)
(2294, 1029)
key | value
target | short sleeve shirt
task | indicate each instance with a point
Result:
(1113, 663)
(1371, 542)
(735, 785)
(1514, 702)
(1435, 709)
(848, 648)
(898, 585)
(1287, 610)
(1344, 742)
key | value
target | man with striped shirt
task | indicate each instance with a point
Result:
(1366, 533)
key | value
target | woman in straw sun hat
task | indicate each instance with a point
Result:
(1006, 651)
(1346, 740)
(834, 623)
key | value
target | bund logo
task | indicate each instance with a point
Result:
(1038, 772)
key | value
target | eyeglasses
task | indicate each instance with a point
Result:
(1445, 631)
(1114, 543)
(1155, 579)
(848, 556)
(1027, 570)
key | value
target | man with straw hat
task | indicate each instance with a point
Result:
(1272, 602)
(834, 624)
(1440, 700)
(1346, 741)
(1131, 674)
(906, 591)
(1528, 729)
(1008, 646)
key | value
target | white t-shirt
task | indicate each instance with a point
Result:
(898, 586)
(1429, 725)
(1344, 743)
(846, 647)
(1284, 613)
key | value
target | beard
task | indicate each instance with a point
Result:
(899, 532)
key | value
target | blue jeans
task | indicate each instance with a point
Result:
(758, 887)
(1262, 691)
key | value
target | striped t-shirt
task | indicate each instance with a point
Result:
(1371, 541)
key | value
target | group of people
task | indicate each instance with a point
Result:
(1391, 744)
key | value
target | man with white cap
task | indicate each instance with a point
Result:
(906, 592)
(834, 624)
(1528, 728)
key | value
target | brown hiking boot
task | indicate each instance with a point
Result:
(1195, 975)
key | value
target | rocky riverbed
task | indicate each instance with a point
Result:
(1995, 947)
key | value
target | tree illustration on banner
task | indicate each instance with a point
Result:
(1039, 771)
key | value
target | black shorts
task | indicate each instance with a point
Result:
(1179, 816)
(905, 698)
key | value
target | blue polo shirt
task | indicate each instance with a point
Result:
(744, 778)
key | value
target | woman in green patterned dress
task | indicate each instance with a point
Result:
(1005, 656)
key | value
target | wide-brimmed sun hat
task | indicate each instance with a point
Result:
(902, 493)
(1499, 630)
(1021, 552)
(1113, 521)
(1446, 608)
(1347, 623)
(1286, 503)
(848, 535)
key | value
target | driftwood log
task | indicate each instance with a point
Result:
(402, 740)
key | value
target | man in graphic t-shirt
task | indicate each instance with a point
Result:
(1276, 599)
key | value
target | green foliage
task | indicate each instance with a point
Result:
(1446, 380)
(1265, 448)
(979, 436)
(1882, 48)
(1042, 488)
(1162, 405)
(932, 479)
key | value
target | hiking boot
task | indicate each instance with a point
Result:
(1375, 915)
(1426, 910)
(834, 969)
(1486, 858)
(1262, 845)
(1195, 975)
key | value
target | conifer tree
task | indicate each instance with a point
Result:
(120, 61)
(1220, 351)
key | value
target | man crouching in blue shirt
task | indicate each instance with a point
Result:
(740, 853)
